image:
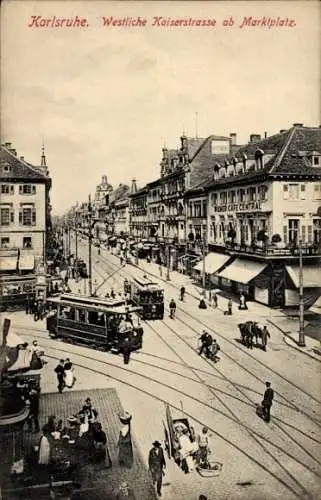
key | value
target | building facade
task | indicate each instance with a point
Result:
(25, 210)
(263, 210)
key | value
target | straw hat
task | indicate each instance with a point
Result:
(125, 417)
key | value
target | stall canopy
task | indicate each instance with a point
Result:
(242, 271)
(23, 361)
(26, 262)
(311, 276)
(213, 262)
(8, 263)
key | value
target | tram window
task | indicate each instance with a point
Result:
(93, 318)
(67, 313)
(82, 316)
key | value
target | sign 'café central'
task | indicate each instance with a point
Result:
(238, 207)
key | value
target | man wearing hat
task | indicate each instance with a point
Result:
(267, 401)
(156, 465)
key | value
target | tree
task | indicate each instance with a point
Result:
(276, 238)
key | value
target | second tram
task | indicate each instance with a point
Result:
(98, 322)
(148, 295)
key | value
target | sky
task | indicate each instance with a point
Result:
(105, 100)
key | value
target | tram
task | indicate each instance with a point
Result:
(146, 294)
(97, 322)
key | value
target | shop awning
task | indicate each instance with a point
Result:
(23, 361)
(311, 276)
(8, 263)
(26, 262)
(242, 271)
(213, 262)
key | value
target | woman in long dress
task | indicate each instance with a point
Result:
(44, 449)
(69, 374)
(126, 456)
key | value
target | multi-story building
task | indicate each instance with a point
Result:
(25, 211)
(138, 223)
(262, 202)
(118, 211)
(100, 208)
(181, 170)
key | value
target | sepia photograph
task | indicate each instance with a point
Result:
(160, 250)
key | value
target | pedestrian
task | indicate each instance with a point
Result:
(33, 410)
(229, 308)
(203, 447)
(125, 446)
(182, 293)
(214, 299)
(69, 377)
(206, 340)
(267, 401)
(60, 375)
(156, 465)
(44, 448)
(126, 347)
(172, 309)
(202, 304)
(265, 336)
(243, 304)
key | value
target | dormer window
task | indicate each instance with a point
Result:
(259, 154)
(315, 157)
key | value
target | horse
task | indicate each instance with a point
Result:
(251, 330)
(247, 333)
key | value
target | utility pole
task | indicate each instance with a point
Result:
(204, 267)
(301, 342)
(76, 244)
(90, 285)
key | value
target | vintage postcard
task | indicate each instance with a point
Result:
(160, 250)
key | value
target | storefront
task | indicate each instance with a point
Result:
(311, 285)
(211, 265)
(241, 274)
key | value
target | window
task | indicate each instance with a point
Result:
(7, 189)
(27, 216)
(5, 216)
(27, 189)
(293, 233)
(197, 209)
(262, 192)
(242, 195)
(27, 242)
(302, 191)
(5, 242)
(303, 235)
(309, 234)
(317, 191)
(198, 232)
(294, 192)
(252, 194)
(316, 161)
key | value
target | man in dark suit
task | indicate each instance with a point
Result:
(60, 370)
(156, 465)
(267, 401)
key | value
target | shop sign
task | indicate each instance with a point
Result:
(238, 207)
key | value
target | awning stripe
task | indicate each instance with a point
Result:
(242, 271)
(311, 276)
(8, 263)
(213, 262)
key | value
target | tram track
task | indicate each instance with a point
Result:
(179, 394)
(243, 351)
(230, 416)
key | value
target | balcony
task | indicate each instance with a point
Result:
(269, 250)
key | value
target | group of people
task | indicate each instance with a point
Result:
(65, 374)
(210, 346)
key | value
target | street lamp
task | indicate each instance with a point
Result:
(203, 267)
(301, 342)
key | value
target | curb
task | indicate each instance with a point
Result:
(291, 343)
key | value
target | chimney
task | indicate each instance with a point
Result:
(255, 137)
(265, 135)
(22, 158)
(133, 187)
(233, 138)
(297, 124)
(7, 145)
(282, 130)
